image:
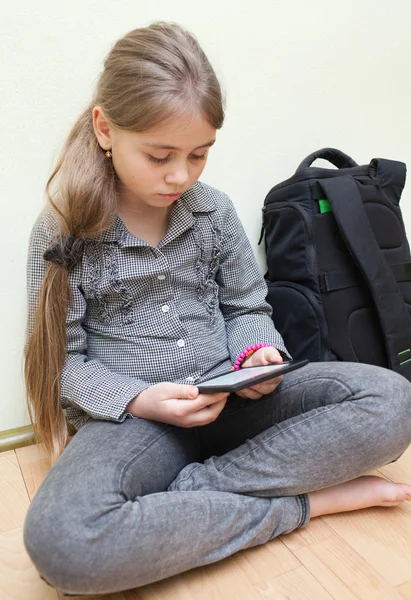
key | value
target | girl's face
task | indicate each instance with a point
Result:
(157, 166)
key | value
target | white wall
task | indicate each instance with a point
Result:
(298, 75)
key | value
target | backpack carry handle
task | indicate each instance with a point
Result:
(334, 156)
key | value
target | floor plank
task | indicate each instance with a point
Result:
(266, 562)
(298, 584)
(14, 500)
(119, 596)
(405, 590)
(19, 579)
(316, 531)
(343, 573)
(34, 465)
(219, 581)
(399, 471)
(382, 536)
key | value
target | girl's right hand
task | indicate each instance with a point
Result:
(180, 405)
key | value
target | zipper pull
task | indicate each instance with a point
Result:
(261, 235)
(262, 227)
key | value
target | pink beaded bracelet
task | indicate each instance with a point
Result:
(246, 353)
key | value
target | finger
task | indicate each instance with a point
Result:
(206, 415)
(272, 356)
(213, 398)
(179, 391)
(250, 394)
(267, 386)
(183, 407)
(269, 356)
(204, 400)
(264, 356)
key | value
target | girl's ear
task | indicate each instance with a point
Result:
(102, 128)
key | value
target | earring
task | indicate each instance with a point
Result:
(108, 153)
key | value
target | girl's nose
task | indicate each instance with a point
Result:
(178, 176)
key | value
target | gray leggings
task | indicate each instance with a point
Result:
(128, 504)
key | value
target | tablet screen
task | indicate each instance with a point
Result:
(235, 377)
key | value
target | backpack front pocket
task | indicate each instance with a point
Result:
(298, 316)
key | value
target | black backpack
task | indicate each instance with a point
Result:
(338, 260)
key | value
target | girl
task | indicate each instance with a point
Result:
(141, 284)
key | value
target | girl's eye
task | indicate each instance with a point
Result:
(162, 161)
(158, 161)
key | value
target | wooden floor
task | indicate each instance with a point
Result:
(363, 555)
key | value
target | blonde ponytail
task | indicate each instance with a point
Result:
(86, 200)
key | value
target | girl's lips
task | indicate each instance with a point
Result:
(170, 196)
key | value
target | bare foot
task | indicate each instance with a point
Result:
(359, 493)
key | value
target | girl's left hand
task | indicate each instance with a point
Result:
(263, 356)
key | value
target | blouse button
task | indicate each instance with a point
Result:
(189, 379)
(161, 277)
(181, 343)
(165, 308)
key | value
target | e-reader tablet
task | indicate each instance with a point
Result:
(233, 381)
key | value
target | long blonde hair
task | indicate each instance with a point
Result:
(150, 74)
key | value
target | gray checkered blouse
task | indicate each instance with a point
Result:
(139, 315)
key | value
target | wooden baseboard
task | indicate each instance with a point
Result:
(16, 438)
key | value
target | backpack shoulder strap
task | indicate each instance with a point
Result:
(353, 223)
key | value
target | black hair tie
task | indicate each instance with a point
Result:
(67, 252)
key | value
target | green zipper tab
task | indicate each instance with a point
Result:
(325, 206)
